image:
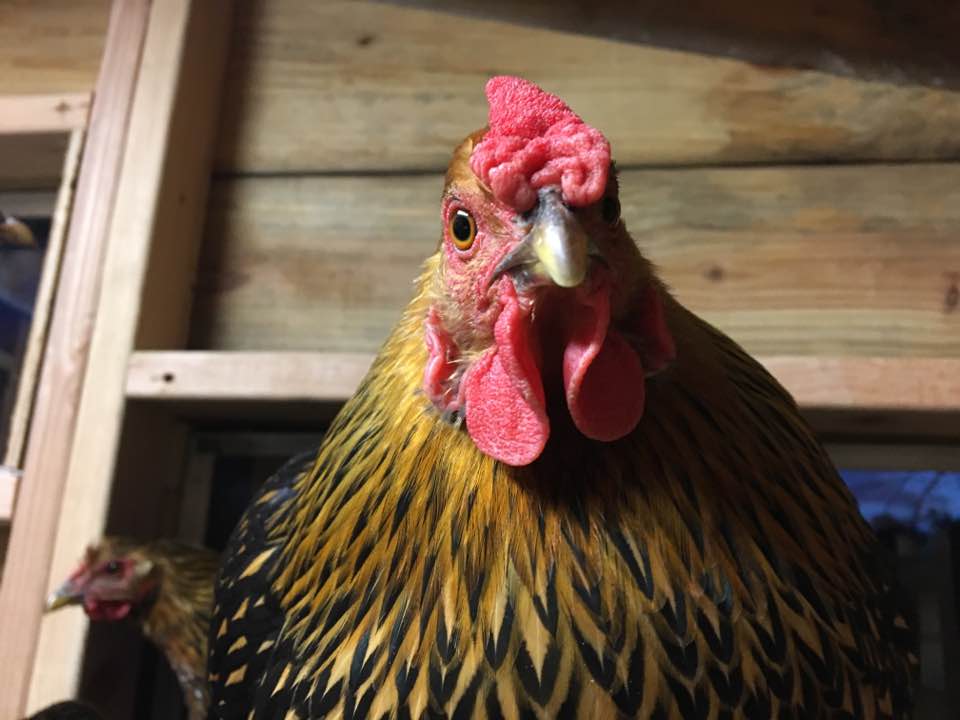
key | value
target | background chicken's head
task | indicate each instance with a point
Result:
(540, 303)
(111, 582)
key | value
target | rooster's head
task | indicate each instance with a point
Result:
(541, 303)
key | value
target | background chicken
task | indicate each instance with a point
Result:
(166, 587)
(557, 493)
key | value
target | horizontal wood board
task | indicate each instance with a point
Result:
(894, 39)
(346, 86)
(900, 384)
(51, 46)
(859, 260)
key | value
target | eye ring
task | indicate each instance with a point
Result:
(463, 229)
(610, 209)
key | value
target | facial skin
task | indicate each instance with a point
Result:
(536, 309)
(109, 586)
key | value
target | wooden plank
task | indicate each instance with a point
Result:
(796, 261)
(347, 86)
(26, 575)
(13, 454)
(881, 383)
(898, 384)
(175, 99)
(51, 46)
(32, 161)
(242, 376)
(61, 112)
(896, 39)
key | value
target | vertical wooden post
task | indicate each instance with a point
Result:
(151, 250)
(33, 532)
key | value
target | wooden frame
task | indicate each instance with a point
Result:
(37, 510)
(161, 60)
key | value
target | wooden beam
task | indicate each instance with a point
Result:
(26, 575)
(21, 114)
(901, 40)
(52, 46)
(904, 384)
(825, 261)
(344, 86)
(240, 376)
(897, 384)
(167, 158)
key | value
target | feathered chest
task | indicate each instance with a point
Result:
(674, 571)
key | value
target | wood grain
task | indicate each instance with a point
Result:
(894, 39)
(351, 86)
(52, 46)
(799, 261)
(244, 376)
(52, 113)
(895, 384)
(32, 540)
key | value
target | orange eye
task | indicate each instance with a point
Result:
(463, 229)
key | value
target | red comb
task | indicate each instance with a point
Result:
(535, 140)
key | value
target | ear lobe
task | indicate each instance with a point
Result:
(442, 353)
(659, 349)
(143, 568)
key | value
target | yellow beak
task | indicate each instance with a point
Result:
(66, 594)
(556, 249)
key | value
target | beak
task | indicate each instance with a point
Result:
(556, 249)
(66, 594)
(14, 233)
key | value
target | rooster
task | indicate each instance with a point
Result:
(166, 587)
(556, 493)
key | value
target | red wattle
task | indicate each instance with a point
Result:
(602, 375)
(503, 392)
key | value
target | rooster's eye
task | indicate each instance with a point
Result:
(462, 229)
(610, 209)
(112, 567)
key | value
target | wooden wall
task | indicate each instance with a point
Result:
(51, 46)
(804, 213)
